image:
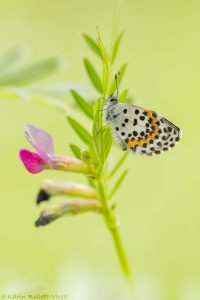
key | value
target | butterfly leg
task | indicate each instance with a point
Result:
(122, 144)
(123, 147)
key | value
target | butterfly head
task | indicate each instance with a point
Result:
(111, 103)
(112, 99)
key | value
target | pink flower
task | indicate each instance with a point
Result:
(44, 157)
(43, 144)
(31, 160)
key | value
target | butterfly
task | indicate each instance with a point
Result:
(140, 130)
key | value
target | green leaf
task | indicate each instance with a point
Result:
(94, 154)
(11, 57)
(10, 93)
(131, 99)
(76, 150)
(106, 65)
(115, 47)
(98, 128)
(92, 44)
(80, 130)
(105, 76)
(118, 183)
(98, 111)
(102, 47)
(96, 140)
(123, 96)
(93, 75)
(122, 71)
(102, 140)
(91, 182)
(30, 73)
(107, 142)
(83, 104)
(119, 163)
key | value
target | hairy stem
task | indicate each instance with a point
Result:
(113, 226)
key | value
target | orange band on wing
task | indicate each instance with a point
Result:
(150, 136)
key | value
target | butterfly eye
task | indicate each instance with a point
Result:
(112, 99)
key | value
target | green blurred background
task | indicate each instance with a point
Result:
(159, 201)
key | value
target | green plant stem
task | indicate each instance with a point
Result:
(116, 235)
(113, 226)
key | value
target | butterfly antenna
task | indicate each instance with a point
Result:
(117, 83)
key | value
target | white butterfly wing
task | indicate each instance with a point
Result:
(143, 131)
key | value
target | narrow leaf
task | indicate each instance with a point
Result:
(105, 75)
(76, 150)
(96, 137)
(11, 57)
(30, 73)
(123, 96)
(122, 71)
(94, 154)
(106, 65)
(118, 183)
(116, 47)
(107, 142)
(102, 48)
(91, 182)
(83, 104)
(131, 99)
(13, 93)
(98, 113)
(93, 75)
(98, 128)
(118, 164)
(92, 44)
(80, 130)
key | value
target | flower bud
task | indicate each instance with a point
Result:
(70, 164)
(42, 196)
(52, 188)
(85, 154)
(74, 207)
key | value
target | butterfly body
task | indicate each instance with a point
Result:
(140, 130)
